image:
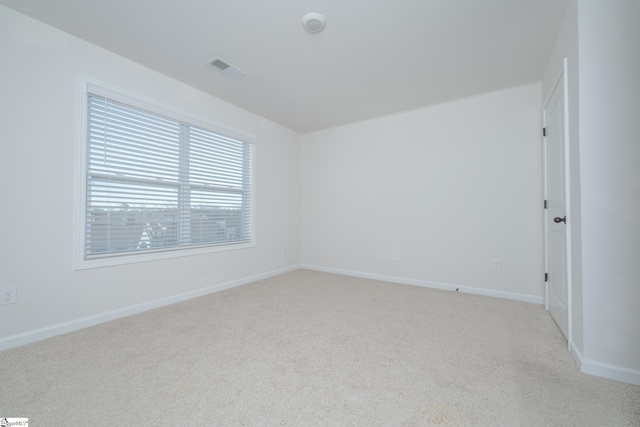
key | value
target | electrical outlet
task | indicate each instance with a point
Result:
(355, 253)
(8, 295)
(497, 264)
(394, 256)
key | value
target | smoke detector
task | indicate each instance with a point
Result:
(225, 68)
(313, 22)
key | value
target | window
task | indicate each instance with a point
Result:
(154, 183)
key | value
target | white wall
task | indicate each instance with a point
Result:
(600, 40)
(40, 67)
(609, 51)
(446, 188)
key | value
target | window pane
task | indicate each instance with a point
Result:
(125, 217)
(124, 141)
(215, 160)
(217, 217)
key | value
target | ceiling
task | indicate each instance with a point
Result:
(373, 58)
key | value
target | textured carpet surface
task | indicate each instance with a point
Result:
(315, 349)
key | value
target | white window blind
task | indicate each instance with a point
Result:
(154, 183)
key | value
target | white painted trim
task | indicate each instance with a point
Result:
(567, 195)
(80, 182)
(577, 354)
(535, 299)
(604, 370)
(77, 324)
(545, 216)
(611, 372)
(590, 367)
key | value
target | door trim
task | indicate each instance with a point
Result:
(563, 80)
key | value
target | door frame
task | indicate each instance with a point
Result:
(561, 79)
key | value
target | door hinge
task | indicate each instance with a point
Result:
(545, 204)
(544, 131)
(546, 277)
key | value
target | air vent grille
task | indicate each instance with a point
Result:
(219, 64)
(226, 68)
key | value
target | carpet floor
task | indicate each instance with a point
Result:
(315, 349)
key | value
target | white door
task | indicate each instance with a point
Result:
(557, 295)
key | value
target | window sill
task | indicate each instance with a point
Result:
(128, 258)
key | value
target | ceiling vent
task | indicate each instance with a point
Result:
(225, 68)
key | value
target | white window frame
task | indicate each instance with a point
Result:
(88, 85)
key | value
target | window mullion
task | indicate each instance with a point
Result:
(184, 191)
(246, 196)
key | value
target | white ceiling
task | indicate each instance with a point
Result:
(373, 58)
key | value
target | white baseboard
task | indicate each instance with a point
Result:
(591, 367)
(535, 299)
(611, 372)
(604, 370)
(74, 325)
(576, 354)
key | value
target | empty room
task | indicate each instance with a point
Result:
(320, 213)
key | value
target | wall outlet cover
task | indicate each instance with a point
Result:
(8, 295)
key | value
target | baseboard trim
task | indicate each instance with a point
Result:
(604, 370)
(591, 367)
(576, 354)
(85, 322)
(428, 284)
(611, 372)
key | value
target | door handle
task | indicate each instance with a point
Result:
(558, 220)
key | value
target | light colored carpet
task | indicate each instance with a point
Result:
(315, 349)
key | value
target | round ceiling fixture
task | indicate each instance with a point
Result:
(313, 22)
